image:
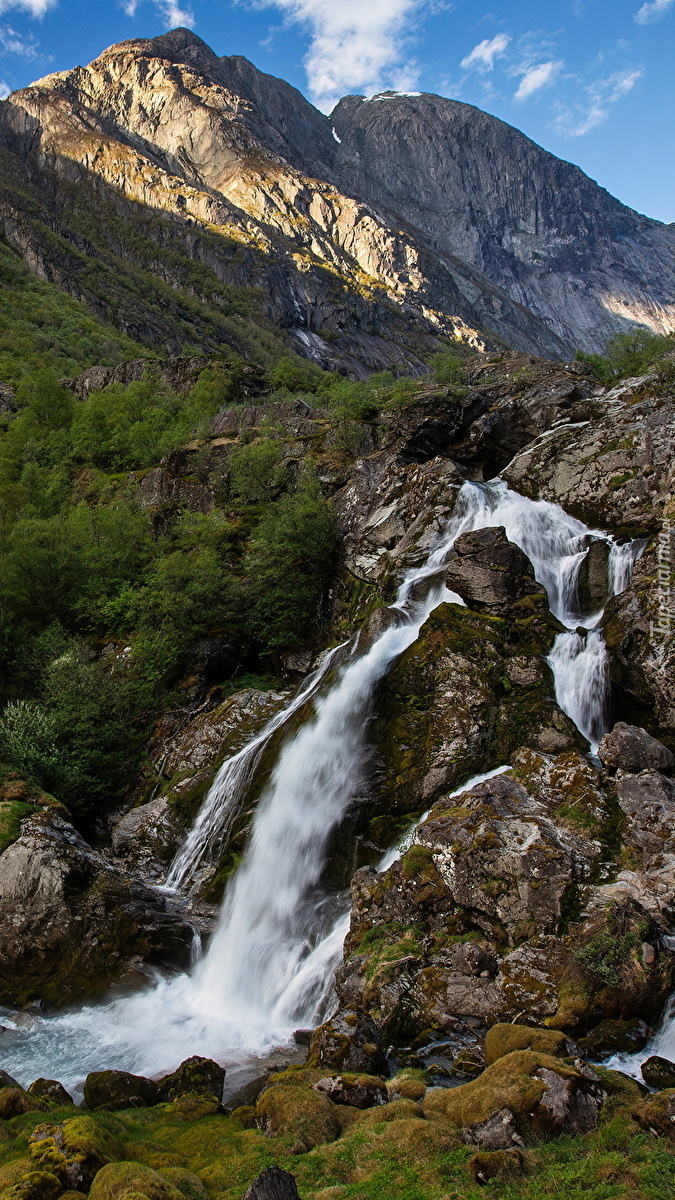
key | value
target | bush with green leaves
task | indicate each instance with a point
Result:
(629, 354)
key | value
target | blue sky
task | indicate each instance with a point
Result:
(593, 81)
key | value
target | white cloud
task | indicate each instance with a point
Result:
(539, 76)
(355, 45)
(594, 110)
(36, 8)
(12, 42)
(652, 10)
(173, 15)
(482, 57)
(170, 11)
(4, 90)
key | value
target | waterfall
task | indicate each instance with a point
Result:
(228, 790)
(270, 964)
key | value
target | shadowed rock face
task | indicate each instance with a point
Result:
(447, 214)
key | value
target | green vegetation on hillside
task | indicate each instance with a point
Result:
(629, 354)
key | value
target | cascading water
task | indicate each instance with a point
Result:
(270, 963)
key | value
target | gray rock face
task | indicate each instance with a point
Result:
(465, 226)
(70, 924)
(481, 191)
(492, 574)
(632, 749)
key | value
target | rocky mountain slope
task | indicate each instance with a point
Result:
(159, 178)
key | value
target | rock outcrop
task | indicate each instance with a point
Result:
(71, 924)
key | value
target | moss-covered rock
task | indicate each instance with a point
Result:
(656, 1113)
(503, 1039)
(112, 1090)
(75, 1150)
(496, 1164)
(359, 1091)
(122, 1178)
(35, 1185)
(190, 1106)
(615, 1037)
(658, 1072)
(306, 1116)
(196, 1074)
(14, 1101)
(541, 1094)
(349, 1041)
(50, 1089)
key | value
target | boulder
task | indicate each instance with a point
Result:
(14, 1102)
(524, 1092)
(307, 1116)
(658, 1072)
(75, 1150)
(493, 575)
(35, 1185)
(359, 1091)
(8, 1081)
(70, 924)
(630, 748)
(504, 1038)
(273, 1184)
(196, 1074)
(132, 1178)
(496, 1164)
(656, 1113)
(190, 1106)
(615, 1037)
(349, 1041)
(113, 1090)
(648, 801)
(50, 1089)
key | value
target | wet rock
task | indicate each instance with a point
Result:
(349, 1041)
(615, 470)
(8, 1081)
(132, 1178)
(50, 1089)
(465, 696)
(70, 924)
(273, 1184)
(113, 1090)
(658, 1072)
(636, 626)
(524, 1092)
(307, 1116)
(632, 749)
(593, 578)
(147, 837)
(196, 1074)
(497, 1164)
(359, 1091)
(493, 575)
(615, 1037)
(505, 1038)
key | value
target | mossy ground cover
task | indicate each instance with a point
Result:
(413, 1159)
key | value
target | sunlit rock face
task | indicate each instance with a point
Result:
(426, 217)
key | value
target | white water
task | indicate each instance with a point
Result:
(270, 964)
